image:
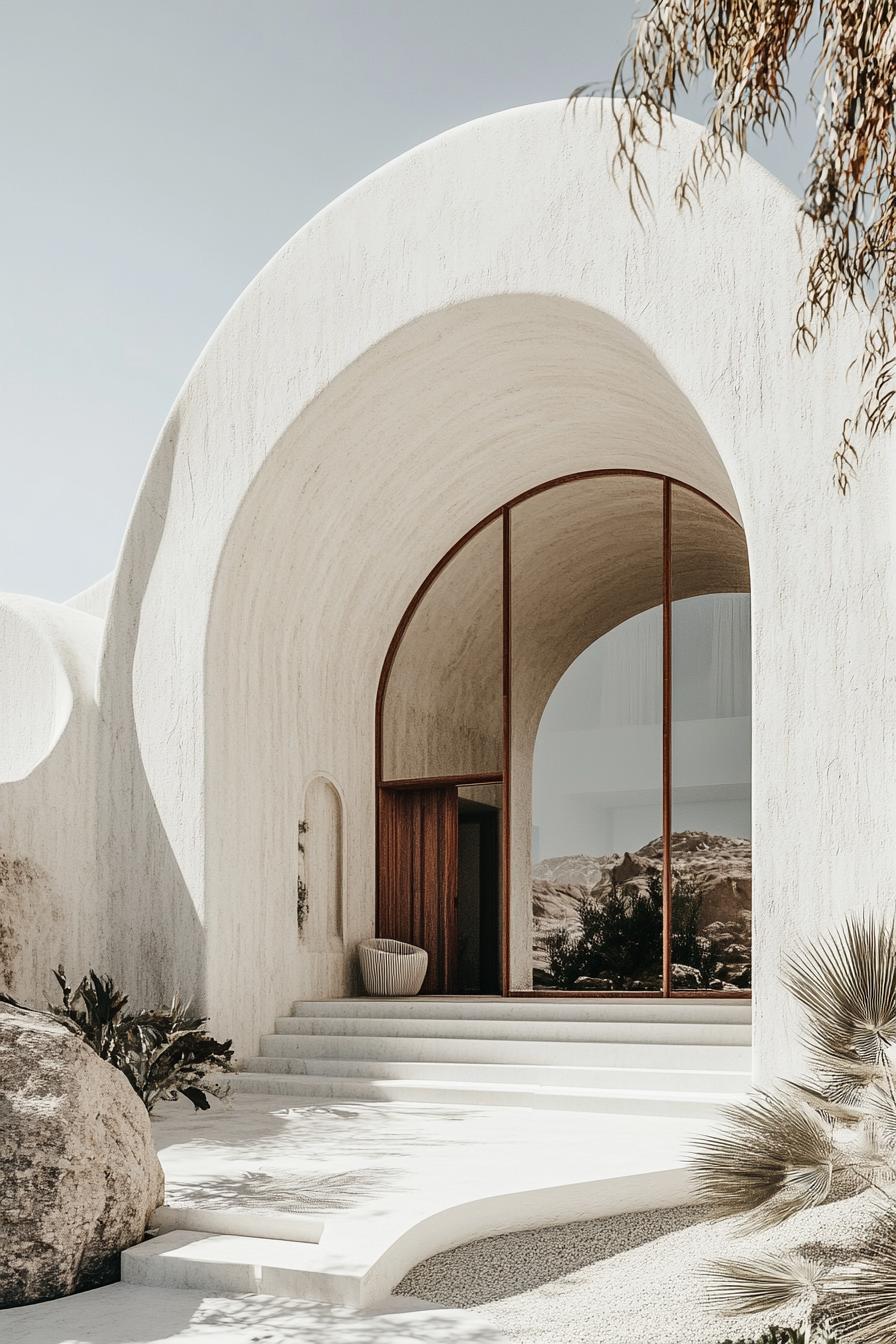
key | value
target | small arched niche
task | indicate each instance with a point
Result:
(322, 870)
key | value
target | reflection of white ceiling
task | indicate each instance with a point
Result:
(443, 705)
(618, 678)
(586, 563)
(597, 770)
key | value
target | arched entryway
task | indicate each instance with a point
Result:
(353, 417)
(622, 864)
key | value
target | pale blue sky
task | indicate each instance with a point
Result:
(156, 154)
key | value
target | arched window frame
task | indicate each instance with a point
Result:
(504, 513)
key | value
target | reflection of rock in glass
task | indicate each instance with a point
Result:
(712, 899)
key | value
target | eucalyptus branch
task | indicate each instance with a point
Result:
(850, 198)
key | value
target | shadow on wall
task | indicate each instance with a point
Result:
(156, 929)
(24, 885)
(48, 792)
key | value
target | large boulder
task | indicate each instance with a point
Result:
(80, 1177)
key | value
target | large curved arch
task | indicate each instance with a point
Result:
(429, 425)
(392, 374)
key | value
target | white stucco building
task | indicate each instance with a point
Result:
(294, 633)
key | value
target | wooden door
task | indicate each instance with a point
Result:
(418, 876)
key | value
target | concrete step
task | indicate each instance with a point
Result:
(641, 1033)
(533, 1075)
(228, 1264)
(735, 1011)
(477, 1050)
(616, 1100)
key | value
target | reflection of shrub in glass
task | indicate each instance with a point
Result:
(619, 941)
(708, 957)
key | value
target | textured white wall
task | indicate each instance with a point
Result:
(479, 316)
(94, 599)
(49, 911)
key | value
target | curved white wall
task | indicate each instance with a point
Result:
(49, 728)
(35, 689)
(480, 316)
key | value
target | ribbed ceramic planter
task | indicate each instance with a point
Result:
(391, 968)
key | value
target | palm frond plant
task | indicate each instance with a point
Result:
(774, 1281)
(865, 1308)
(790, 1149)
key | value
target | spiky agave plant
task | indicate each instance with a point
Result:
(790, 1149)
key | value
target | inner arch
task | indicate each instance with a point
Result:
(399, 457)
(598, 561)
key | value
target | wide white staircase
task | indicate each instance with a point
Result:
(649, 1056)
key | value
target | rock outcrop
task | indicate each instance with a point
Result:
(80, 1177)
(718, 867)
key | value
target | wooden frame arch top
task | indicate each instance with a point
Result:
(667, 592)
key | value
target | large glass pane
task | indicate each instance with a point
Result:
(586, 679)
(443, 705)
(711, 851)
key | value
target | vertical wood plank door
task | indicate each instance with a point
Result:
(418, 876)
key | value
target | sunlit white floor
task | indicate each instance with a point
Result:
(127, 1314)
(375, 1187)
(355, 1194)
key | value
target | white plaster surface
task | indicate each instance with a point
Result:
(95, 599)
(480, 316)
(393, 1182)
(125, 1313)
(49, 733)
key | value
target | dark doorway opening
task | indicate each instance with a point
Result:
(478, 898)
(440, 882)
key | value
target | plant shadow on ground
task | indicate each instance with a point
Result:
(298, 1160)
(280, 1192)
(126, 1314)
(274, 1126)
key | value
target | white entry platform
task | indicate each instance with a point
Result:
(389, 1130)
(368, 1135)
(336, 1201)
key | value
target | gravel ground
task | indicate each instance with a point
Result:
(623, 1280)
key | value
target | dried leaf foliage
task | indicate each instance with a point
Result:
(746, 47)
(864, 1309)
(766, 1283)
(775, 1157)
(780, 1153)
